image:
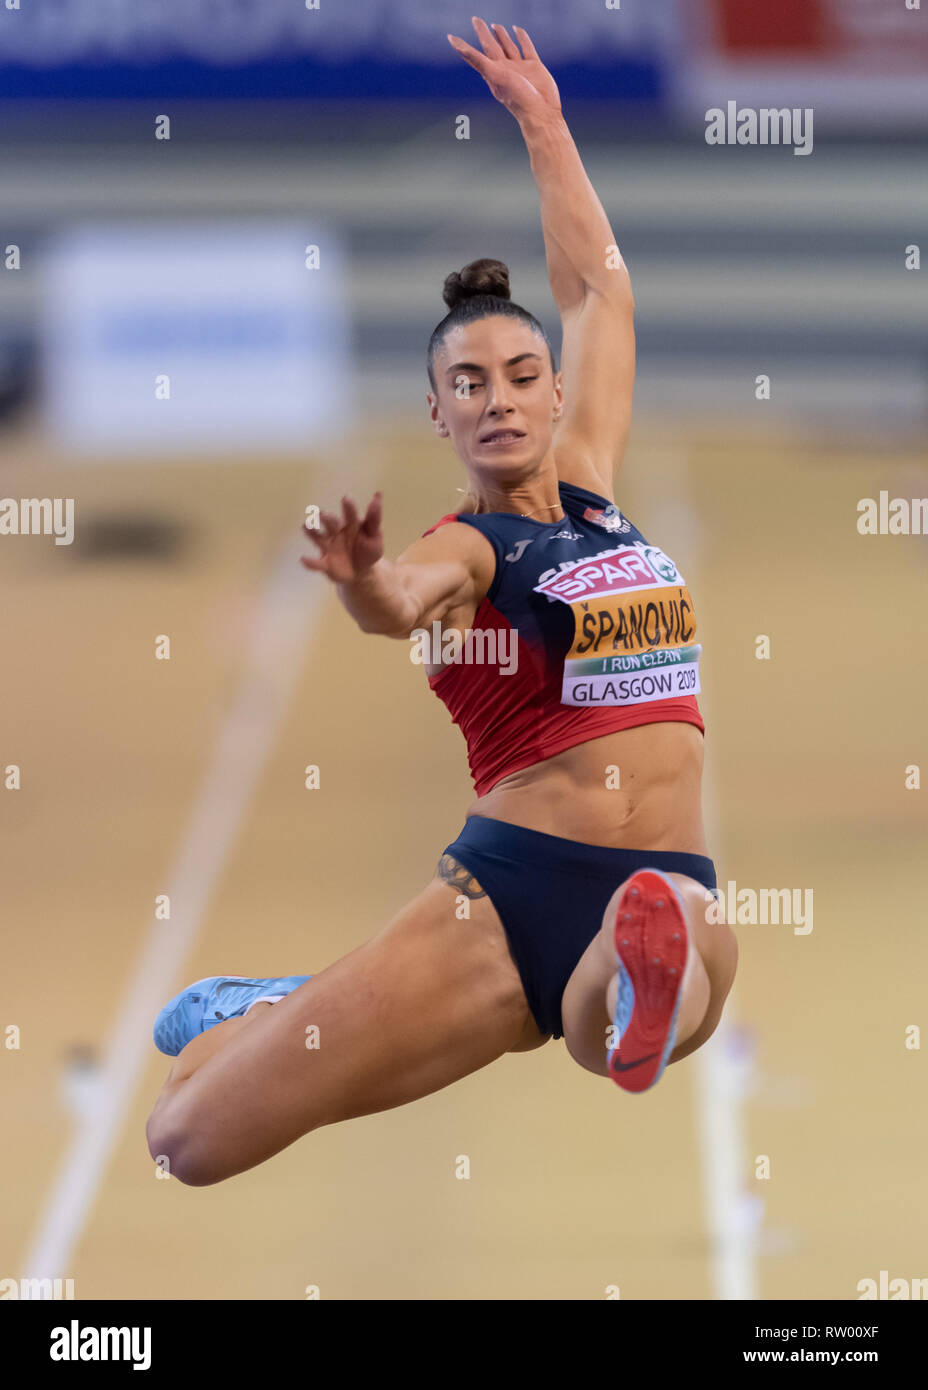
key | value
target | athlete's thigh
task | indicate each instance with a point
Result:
(583, 1003)
(434, 996)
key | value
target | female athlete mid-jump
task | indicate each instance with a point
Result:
(573, 676)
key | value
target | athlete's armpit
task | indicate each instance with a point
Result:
(459, 878)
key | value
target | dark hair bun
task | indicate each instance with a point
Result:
(485, 276)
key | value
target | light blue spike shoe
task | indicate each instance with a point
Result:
(207, 1002)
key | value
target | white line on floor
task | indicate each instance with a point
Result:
(289, 609)
(722, 1065)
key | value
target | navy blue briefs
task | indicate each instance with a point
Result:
(551, 895)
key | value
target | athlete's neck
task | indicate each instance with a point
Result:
(533, 498)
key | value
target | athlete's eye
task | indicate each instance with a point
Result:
(473, 385)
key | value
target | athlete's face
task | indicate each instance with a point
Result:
(495, 375)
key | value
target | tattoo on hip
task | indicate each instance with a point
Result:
(459, 878)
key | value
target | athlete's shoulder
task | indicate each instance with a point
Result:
(443, 521)
(445, 540)
(488, 523)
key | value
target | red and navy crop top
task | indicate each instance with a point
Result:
(585, 629)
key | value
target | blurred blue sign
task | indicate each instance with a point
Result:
(394, 49)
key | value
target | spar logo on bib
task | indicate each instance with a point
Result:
(633, 627)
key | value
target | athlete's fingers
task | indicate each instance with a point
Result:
(330, 524)
(313, 562)
(469, 54)
(372, 517)
(506, 42)
(313, 535)
(350, 512)
(487, 42)
(528, 48)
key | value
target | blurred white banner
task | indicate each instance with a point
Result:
(197, 337)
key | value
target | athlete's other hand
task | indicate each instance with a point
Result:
(348, 546)
(519, 80)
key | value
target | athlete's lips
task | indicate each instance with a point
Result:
(500, 432)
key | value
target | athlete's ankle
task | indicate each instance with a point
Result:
(265, 999)
(206, 1045)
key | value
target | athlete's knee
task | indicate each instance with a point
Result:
(181, 1148)
(167, 1146)
(191, 1168)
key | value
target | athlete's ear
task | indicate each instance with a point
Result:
(441, 428)
(558, 396)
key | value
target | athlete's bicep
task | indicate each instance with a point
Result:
(598, 377)
(451, 568)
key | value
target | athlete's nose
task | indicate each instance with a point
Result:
(500, 388)
(498, 402)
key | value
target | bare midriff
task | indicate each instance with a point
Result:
(638, 788)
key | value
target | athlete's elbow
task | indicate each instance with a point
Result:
(396, 625)
(615, 289)
(381, 627)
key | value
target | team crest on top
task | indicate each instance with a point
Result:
(610, 518)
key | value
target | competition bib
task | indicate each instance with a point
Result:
(633, 628)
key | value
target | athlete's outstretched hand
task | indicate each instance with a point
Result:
(348, 546)
(519, 80)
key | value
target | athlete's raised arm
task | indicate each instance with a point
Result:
(589, 279)
(437, 575)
